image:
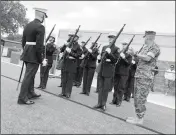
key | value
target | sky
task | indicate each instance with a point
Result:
(138, 16)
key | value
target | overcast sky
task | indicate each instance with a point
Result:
(108, 15)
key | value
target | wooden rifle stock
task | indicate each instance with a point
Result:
(99, 67)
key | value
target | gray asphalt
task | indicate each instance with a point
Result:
(158, 118)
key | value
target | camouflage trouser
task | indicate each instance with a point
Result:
(141, 91)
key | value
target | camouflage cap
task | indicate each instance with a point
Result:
(150, 33)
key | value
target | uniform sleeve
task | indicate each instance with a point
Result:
(77, 53)
(128, 60)
(23, 40)
(155, 51)
(39, 42)
(94, 54)
(113, 56)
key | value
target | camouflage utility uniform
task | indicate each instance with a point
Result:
(144, 77)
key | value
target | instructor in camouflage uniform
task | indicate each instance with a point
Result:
(147, 57)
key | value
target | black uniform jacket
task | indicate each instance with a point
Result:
(92, 58)
(108, 66)
(33, 32)
(70, 64)
(123, 65)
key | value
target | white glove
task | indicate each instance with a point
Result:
(98, 57)
(61, 54)
(133, 62)
(44, 62)
(65, 43)
(89, 50)
(68, 50)
(122, 55)
(108, 50)
(82, 56)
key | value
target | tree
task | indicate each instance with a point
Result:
(15, 37)
(13, 15)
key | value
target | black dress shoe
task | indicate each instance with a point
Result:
(127, 99)
(39, 86)
(103, 108)
(82, 93)
(97, 106)
(60, 85)
(118, 104)
(87, 94)
(132, 96)
(61, 95)
(43, 87)
(34, 95)
(112, 103)
(67, 96)
(28, 102)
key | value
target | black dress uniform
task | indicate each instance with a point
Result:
(69, 69)
(79, 72)
(130, 82)
(106, 74)
(44, 70)
(98, 80)
(32, 43)
(120, 78)
(89, 70)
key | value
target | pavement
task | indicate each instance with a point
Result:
(52, 114)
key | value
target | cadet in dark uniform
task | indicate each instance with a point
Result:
(70, 35)
(44, 70)
(130, 82)
(69, 67)
(121, 76)
(98, 76)
(107, 73)
(32, 43)
(79, 74)
(89, 70)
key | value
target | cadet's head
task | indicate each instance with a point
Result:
(82, 43)
(111, 36)
(124, 44)
(149, 37)
(172, 67)
(76, 38)
(51, 39)
(40, 14)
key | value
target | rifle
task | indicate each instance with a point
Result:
(126, 49)
(99, 67)
(86, 42)
(70, 43)
(50, 33)
(84, 61)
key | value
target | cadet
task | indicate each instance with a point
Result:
(89, 70)
(79, 74)
(107, 73)
(32, 43)
(121, 75)
(69, 67)
(147, 56)
(98, 76)
(44, 70)
(130, 82)
(70, 35)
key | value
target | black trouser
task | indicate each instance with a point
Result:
(105, 88)
(98, 83)
(130, 88)
(61, 76)
(67, 82)
(78, 77)
(44, 73)
(88, 74)
(119, 88)
(27, 86)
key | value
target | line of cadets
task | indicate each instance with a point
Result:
(117, 74)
